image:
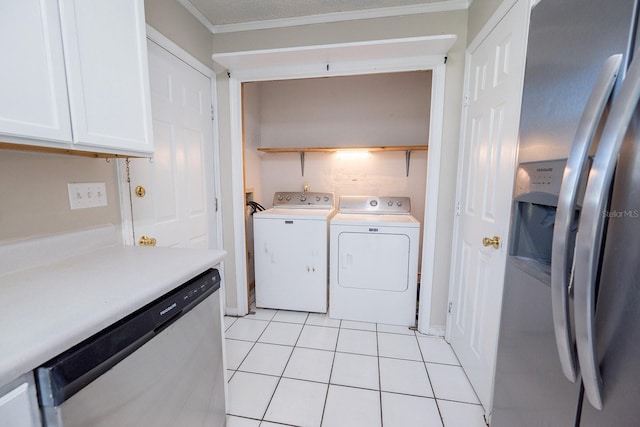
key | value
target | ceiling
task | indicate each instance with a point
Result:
(238, 15)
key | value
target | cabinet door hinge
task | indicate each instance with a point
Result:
(212, 115)
(450, 306)
(458, 208)
(465, 100)
(216, 204)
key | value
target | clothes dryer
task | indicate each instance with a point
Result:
(291, 252)
(374, 260)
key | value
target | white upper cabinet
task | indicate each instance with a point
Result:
(80, 78)
(105, 51)
(33, 87)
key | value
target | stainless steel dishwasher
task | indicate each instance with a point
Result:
(160, 366)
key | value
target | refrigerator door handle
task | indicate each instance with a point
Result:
(590, 232)
(561, 250)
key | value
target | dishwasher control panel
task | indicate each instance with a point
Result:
(186, 295)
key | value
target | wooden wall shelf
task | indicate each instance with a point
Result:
(302, 150)
(332, 149)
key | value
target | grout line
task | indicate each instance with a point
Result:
(235, 319)
(379, 376)
(243, 417)
(470, 385)
(401, 358)
(279, 378)
(433, 390)
(333, 361)
(233, 372)
(460, 401)
(396, 333)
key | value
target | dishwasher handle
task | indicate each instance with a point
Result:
(68, 373)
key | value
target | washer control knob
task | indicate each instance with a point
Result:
(303, 197)
(317, 198)
(373, 203)
(288, 197)
(326, 198)
(399, 203)
(280, 197)
(390, 203)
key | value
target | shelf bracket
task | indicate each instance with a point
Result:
(302, 162)
(408, 157)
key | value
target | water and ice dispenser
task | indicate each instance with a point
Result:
(535, 202)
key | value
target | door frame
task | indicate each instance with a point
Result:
(214, 222)
(372, 65)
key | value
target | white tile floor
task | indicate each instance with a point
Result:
(305, 369)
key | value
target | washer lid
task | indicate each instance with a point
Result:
(375, 220)
(295, 213)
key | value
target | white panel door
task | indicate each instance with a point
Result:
(494, 76)
(106, 58)
(178, 205)
(33, 87)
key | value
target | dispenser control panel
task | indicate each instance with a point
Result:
(540, 177)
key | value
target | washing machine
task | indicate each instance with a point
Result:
(374, 260)
(291, 249)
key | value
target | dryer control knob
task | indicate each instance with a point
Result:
(303, 197)
(326, 198)
(373, 203)
(288, 198)
(317, 198)
(280, 197)
(390, 203)
(399, 203)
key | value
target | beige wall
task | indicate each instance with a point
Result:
(176, 23)
(347, 111)
(479, 13)
(34, 199)
(454, 22)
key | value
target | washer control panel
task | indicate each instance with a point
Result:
(303, 200)
(375, 205)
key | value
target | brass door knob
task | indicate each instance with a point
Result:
(140, 191)
(495, 242)
(147, 241)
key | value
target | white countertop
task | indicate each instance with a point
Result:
(48, 308)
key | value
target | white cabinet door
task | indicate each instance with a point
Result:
(291, 264)
(106, 58)
(33, 90)
(19, 404)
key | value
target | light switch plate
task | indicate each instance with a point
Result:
(84, 195)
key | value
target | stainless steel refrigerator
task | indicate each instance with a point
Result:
(569, 346)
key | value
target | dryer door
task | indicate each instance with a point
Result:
(373, 261)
